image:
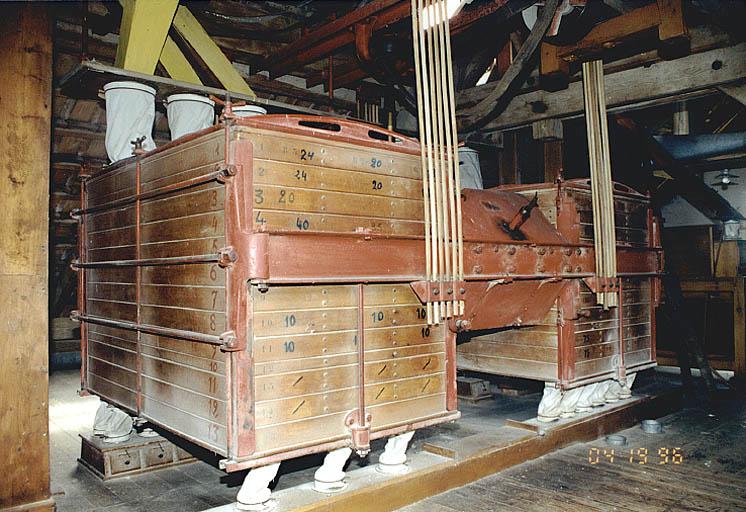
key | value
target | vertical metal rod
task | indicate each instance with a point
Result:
(620, 307)
(361, 353)
(138, 282)
(420, 119)
(331, 82)
(82, 258)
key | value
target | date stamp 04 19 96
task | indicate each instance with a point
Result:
(639, 456)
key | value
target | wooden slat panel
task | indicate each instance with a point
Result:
(112, 391)
(199, 355)
(111, 219)
(171, 166)
(298, 408)
(478, 347)
(196, 404)
(182, 248)
(267, 172)
(306, 150)
(111, 354)
(126, 311)
(203, 199)
(505, 366)
(324, 223)
(206, 298)
(184, 275)
(210, 433)
(185, 319)
(270, 197)
(202, 225)
(305, 382)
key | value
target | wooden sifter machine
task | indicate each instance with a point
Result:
(282, 285)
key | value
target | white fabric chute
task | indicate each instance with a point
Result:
(249, 111)
(130, 112)
(471, 173)
(189, 113)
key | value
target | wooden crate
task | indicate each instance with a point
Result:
(136, 455)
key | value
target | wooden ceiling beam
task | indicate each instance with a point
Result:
(656, 83)
(382, 13)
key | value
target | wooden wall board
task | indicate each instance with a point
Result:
(25, 106)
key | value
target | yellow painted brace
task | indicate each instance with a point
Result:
(190, 29)
(176, 64)
(142, 33)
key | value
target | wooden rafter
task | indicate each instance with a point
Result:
(143, 32)
(189, 28)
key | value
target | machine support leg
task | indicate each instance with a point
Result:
(330, 476)
(549, 407)
(599, 395)
(570, 402)
(627, 386)
(394, 456)
(585, 399)
(254, 493)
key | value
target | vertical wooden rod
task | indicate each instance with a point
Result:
(420, 119)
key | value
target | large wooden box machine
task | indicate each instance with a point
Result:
(263, 288)
(577, 341)
(221, 298)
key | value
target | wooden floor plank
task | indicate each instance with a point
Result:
(710, 477)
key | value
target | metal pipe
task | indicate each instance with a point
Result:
(167, 189)
(153, 329)
(150, 262)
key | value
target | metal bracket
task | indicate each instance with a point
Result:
(360, 433)
(227, 170)
(602, 284)
(431, 291)
(227, 256)
(230, 342)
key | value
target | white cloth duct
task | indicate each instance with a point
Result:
(249, 111)
(130, 112)
(550, 405)
(471, 173)
(189, 113)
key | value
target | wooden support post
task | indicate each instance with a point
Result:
(25, 107)
(552, 160)
(190, 29)
(508, 170)
(143, 32)
(739, 328)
